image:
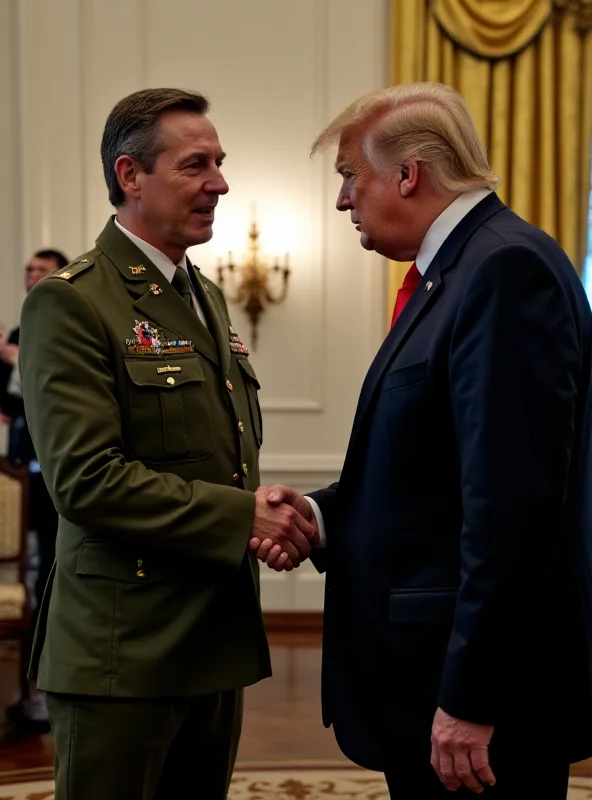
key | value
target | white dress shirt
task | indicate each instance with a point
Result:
(436, 235)
(164, 264)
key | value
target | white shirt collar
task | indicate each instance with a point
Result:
(442, 226)
(158, 258)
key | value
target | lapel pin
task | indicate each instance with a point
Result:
(155, 289)
(428, 286)
(84, 261)
(137, 270)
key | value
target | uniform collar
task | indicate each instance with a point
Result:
(156, 256)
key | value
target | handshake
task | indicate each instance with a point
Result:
(285, 528)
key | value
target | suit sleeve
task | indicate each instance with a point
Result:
(514, 371)
(71, 405)
(326, 501)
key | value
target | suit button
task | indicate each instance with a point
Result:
(229, 386)
(241, 427)
(140, 574)
(245, 469)
(235, 477)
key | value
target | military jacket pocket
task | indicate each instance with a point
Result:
(169, 408)
(252, 385)
(98, 559)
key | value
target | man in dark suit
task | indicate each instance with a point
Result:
(458, 539)
(144, 412)
(29, 714)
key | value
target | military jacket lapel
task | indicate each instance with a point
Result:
(154, 297)
(215, 316)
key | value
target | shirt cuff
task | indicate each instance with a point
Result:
(320, 522)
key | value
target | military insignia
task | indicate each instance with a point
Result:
(147, 339)
(150, 341)
(176, 346)
(155, 289)
(236, 344)
(137, 270)
(73, 269)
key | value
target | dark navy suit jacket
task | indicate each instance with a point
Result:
(459, 557)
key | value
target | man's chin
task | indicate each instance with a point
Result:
(366, 242)
(201, 235)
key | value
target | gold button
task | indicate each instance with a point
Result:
(245, 469)
(171, 381)
(140, 562)
(140, 573)
(236, 476)
(241, 427)
(229, 386)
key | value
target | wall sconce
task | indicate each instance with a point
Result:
(250, 284)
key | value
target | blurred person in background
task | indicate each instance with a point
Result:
(29, 715)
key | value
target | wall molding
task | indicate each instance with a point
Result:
(308, 463)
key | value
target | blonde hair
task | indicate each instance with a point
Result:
(426, 122)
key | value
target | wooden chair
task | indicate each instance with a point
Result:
(15, 611)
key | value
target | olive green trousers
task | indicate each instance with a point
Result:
(110, 748)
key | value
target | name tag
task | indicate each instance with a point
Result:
(160, 370)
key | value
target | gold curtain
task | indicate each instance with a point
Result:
(525, 71)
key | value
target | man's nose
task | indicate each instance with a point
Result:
(343, 202)
(217, 184)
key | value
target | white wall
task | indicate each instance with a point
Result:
(276, 72)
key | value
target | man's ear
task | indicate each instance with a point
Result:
(127, 171)
(409, 178)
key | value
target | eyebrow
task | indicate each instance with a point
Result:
(202, 154)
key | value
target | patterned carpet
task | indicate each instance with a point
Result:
(274, 782)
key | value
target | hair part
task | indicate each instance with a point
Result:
(57, 255)
(426, 122)
(132, 129)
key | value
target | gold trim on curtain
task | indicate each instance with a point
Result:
(533, 110)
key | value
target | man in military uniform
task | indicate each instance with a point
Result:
(143, 408)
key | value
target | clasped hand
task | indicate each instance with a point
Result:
(285, 528)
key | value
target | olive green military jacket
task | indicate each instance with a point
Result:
(147, 427)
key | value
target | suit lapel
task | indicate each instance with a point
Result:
(420, 301)
(154, 297)
(419, 304)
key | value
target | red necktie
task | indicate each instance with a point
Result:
(411, 282)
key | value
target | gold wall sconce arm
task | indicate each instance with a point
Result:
(250, 285)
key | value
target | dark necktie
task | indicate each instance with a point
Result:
(181, 283)
(410, 284)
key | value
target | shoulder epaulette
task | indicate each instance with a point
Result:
(74, 268)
